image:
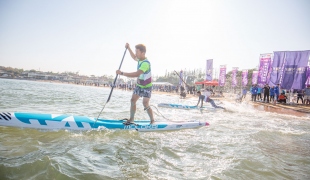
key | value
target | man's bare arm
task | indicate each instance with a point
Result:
(131, 74)
(130, 51)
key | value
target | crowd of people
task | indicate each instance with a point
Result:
(272, 94)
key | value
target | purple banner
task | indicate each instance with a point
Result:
(209, 69)
(264, 60)
(244, 77)
(270, 69)
(234, 81)
(300, 78)
(181, 77)
(222, 77)
(308, 76)
(277, 68)
(294, 72)
(254, 77)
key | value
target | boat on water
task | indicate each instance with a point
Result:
(71, 122)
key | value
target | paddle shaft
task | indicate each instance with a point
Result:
(116, 76)
(113, 85)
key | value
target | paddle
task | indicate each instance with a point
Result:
(181, 78)
(112, 85)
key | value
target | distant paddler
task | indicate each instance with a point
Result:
(206, 98)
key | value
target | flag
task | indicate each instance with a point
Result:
(209, 69)
(234, 81)
(277, 68)
(254, 77)
(222, 77)
(308, 77)
(264, 60)
(295, 69)
(244, 77)
(270, 69)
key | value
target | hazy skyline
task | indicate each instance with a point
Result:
(90, 36)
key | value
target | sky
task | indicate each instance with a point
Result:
(89, 37)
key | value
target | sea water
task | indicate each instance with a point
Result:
(240, 143)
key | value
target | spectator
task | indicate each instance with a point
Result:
(251, 88)
(282, 98)
(300, 96)
(266, 93)
(276, 93)
(259, 93)
(307, 95)
(244, 91)
(254, 92)
(271, 93)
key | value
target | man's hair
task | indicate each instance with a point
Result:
(198, 92)
(141, 47)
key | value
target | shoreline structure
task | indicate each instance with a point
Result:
(289, 108)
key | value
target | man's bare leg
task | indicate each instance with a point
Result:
(133, 107)
(148, 109)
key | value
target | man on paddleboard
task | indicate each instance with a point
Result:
(144, 82)
(206, 98)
